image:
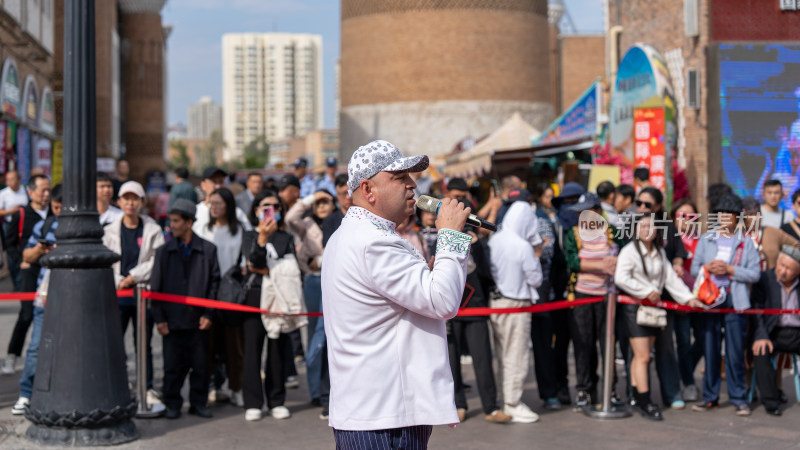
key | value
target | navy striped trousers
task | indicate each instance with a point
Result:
(407, 438)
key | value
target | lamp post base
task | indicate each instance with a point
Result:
(95, 429)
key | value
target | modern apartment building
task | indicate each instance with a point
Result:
(205, 117)
(271, 86)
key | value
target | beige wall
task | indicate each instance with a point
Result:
(445, 54)
(582, 61)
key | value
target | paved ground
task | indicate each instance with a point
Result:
(719, 429)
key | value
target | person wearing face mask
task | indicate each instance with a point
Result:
(268, 243)
(309, 229)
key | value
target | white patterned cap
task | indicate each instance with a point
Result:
(380, 156)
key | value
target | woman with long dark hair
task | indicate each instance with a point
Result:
(268, 236)
(225, 232)
(643, 271)
(651, 201)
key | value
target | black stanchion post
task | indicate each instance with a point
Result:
(606, 410)
(145, 411)
(80, 393)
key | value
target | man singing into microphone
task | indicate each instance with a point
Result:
(385, 310)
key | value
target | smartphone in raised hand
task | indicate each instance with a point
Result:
(268, 212)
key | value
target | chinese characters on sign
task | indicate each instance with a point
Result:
(692, 224)
(649, 137)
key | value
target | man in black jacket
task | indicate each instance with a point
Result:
(777, 289)
(186, 265)
(17, 234)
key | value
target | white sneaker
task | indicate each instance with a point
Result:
(252, 415)
(237, 398)
(292, 382)
(521, 413)
(8, 365)
(153, 397)
(19, 407)
(280, 412)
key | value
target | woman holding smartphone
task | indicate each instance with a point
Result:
(309, 229)
(643, 271)
(269, 240)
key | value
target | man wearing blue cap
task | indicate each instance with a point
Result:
(328, 181)
(307, 184)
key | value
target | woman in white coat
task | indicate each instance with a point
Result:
(643, 272)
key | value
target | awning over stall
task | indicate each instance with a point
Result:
(514, 134)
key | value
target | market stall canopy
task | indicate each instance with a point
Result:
(579, 121)
(514, 134)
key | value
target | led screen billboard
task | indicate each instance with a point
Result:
(759, 88)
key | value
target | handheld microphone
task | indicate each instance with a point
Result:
(431, 205)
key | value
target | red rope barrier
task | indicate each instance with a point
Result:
(216, 304)
(465, 312)
(676, 307)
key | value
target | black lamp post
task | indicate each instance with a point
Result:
(80, 394)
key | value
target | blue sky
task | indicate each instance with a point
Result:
(195, 46)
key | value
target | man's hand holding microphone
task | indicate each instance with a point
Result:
(452, 215)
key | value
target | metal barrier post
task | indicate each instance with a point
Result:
(145, 411)
(606, 410)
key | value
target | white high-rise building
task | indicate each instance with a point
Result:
(271, 86)
(205, 117)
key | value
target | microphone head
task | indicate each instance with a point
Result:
(429, 204)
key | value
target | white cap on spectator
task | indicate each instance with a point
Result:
(131, 187)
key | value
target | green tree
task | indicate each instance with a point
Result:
(181, 159)
(256, 153)
(207, 153)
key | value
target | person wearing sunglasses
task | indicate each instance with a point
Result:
(650, 201)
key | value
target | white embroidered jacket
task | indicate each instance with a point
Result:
(385, 313)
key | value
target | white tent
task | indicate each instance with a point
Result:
(514, 134)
